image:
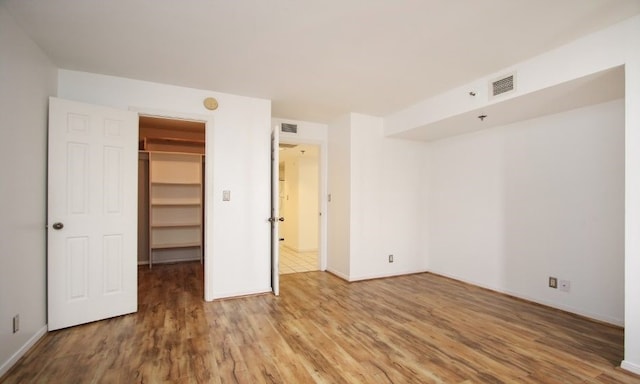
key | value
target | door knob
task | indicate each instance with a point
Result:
(273, 219)
(58, 226)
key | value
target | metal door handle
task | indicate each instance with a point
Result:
(58, 226)
(273, 219)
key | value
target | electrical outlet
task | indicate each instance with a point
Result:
(553, 282)
(16, 323)
(565, 285)
(391, 258)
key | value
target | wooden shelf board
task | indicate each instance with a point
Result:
(145, 142)
(166, 204)
(175, 245)
(175, 225)
(181, 183)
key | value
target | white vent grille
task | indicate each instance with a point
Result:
(503, 85)
(289, 128)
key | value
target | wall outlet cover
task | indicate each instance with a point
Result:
(553, 282)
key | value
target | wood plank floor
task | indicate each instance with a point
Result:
(411, 329)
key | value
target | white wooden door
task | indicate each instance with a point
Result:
(275, 211)
(92, 213)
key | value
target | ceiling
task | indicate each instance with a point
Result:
(315, 59)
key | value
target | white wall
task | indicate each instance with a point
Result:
(339, 189)
(377, 200)
(27, 79)
(632, 200)
(308, 132)
(290, 226)
(300, 204)
(387, 196)
(514, 205)
(237, 242)
(307, 203)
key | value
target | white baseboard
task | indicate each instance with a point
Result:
(594, 316)
(339, 274)
(304, 250)
(6, 366)
(631, 367)
(237, 295)
(385, 275)
(299, 250)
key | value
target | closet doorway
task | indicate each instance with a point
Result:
(171, 178)
(299, 191)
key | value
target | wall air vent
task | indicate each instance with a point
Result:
(289, 128)
(503, 84)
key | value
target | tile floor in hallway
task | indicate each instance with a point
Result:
(294, 262)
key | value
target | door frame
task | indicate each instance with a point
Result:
(208, 172)
(322, 192)
(274, 218)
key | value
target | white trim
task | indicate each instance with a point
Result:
(292, 249)
(385, 275)
(173, 115)
(339, 274)
(237, 295)
(631, 367)
(566, 308)
(7, 365)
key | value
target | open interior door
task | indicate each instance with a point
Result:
(92, 213)
(275, 211)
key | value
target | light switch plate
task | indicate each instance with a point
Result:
(226, 195)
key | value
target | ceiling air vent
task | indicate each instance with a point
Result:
(504, 84)
(289, 128)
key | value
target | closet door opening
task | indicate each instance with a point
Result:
(171, 169)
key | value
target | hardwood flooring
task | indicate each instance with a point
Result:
(411, 329)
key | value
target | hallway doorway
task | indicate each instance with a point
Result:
(299, 204)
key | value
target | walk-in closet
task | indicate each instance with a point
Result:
(170, 191)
